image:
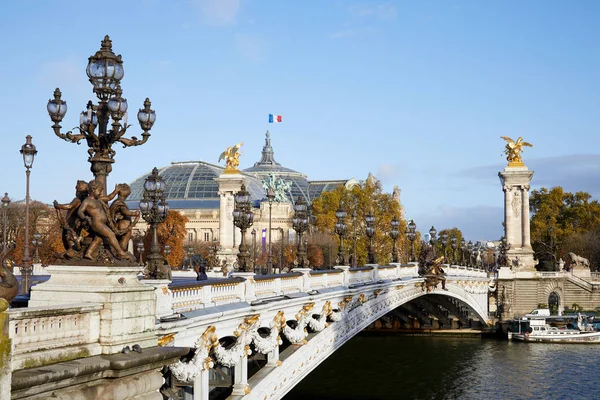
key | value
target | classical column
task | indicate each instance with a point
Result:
(240, 377)
(229, 185)
(515, 184)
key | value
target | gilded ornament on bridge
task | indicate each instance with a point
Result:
(513, 150)
(248, 323)
(232, 158)
(434, 275)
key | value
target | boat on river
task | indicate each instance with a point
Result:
(541, 327)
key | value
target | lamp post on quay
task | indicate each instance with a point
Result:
(469, 250)
(167, 251)
(370, 232)
(243, 218)
(411, 234)
(340, 230)
(28, 151)
(300, 225)
(432, 233)
(5, 203)
(354, 238)
(105, 71)
(462, 251)
(394, 233)
(154, 210)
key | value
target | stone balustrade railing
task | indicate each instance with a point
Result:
(250, 287)
(45, 335)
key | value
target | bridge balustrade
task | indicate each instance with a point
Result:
(43, 334)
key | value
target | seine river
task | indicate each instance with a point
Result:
(409, 367)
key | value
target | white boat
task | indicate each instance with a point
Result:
(561, 329)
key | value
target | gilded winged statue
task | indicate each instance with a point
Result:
(514, 149)
(231, 157)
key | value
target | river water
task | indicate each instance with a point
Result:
(372, 367)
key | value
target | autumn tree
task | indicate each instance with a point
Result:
(562, 222)
(172, 232)
(365, 198)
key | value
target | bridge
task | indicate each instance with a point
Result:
(254, 336)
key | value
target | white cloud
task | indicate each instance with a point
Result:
(218, 12)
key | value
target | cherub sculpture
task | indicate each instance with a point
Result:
(514, 149)
(122, 216)
(70, 223)
(231, 157)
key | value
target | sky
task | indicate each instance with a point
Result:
(418, 93)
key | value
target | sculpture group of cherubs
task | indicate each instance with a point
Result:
(434, 275)
(93, 230)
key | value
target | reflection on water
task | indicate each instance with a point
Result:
(408, 367)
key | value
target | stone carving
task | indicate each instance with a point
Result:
(577, 261)
(9, 286)
(94, 231)
(516, 202)
(232, 158)
(513, 150)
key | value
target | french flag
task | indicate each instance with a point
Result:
(274, 118)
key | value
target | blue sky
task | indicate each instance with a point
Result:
(417, 93)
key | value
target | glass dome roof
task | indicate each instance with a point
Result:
(192, 185)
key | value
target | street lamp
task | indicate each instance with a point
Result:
(411, 234)
(453, 244)
(253, 249)
(154, 210)
(340, 230)
(394, 233)
(28, 151)
(36, 242)
(140, 250)
(270, 198)
(243, 218)
(300, 225)
(167, 251)
(5, 203)
(432, 233)
(463, 246)
(354, 238)
(105, 71)
(444, 240)
(370, 232)
(469, 250)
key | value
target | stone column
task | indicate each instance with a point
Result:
(515, 184)
(201, 387)
(229, 185)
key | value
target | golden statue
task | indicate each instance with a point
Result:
(514, 149)
(232, 158)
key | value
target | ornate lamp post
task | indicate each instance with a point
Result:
(354, 238)
(167, 251)
(270, 197)
(300, 225)
(243, 218)
(5, 203)
(253, 249)
(36, 242)
(394, 233)
(370, 232)
(411, 234)
(463, 246)
(154, 210)
(340, 230)
(453, 244)
(190, 254)
(432, 233)
(105, 71)
(28, 151)
(444, 241)
(140, 250)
